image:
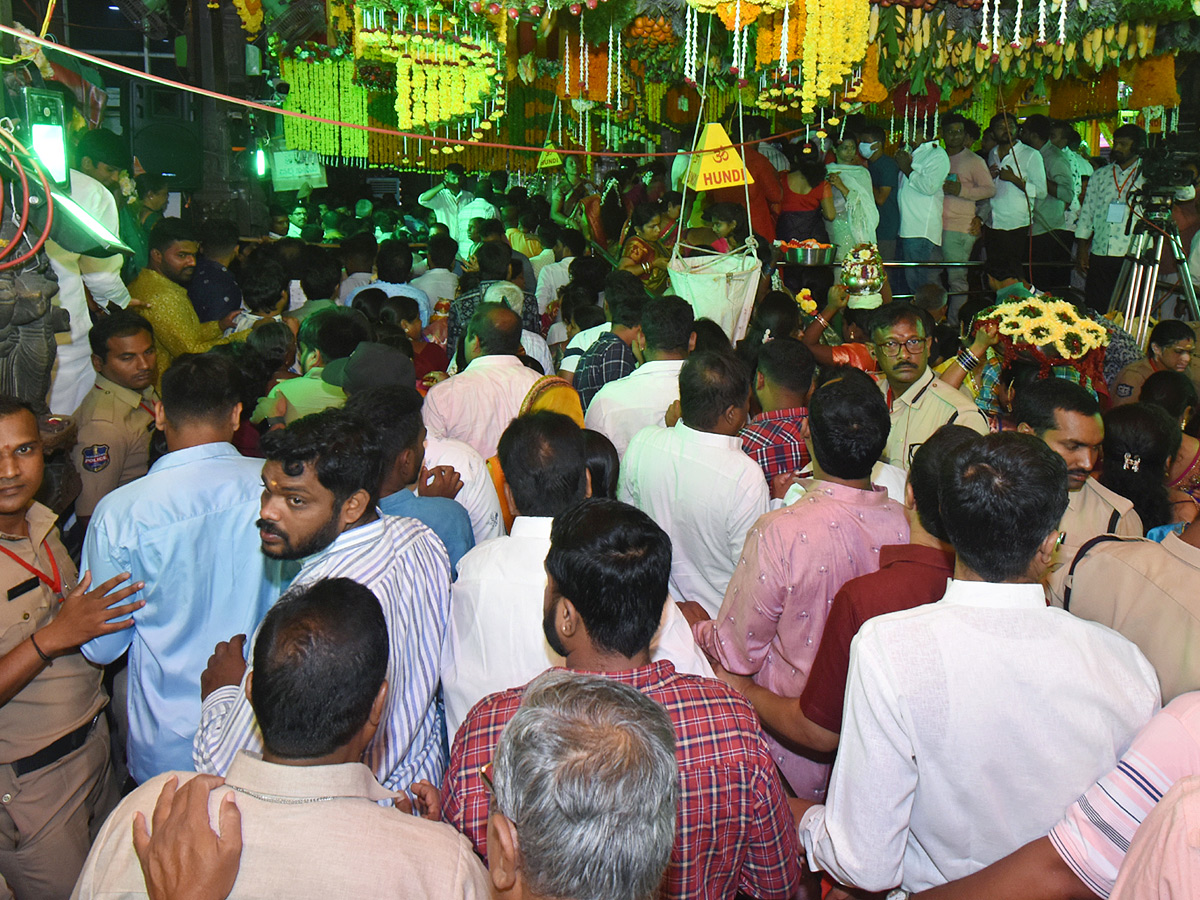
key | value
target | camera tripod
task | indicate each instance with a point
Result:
(1135, 287)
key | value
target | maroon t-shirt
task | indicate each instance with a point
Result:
(909, 575)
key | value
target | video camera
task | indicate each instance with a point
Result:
(1167, 172)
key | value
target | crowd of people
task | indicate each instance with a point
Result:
(448, 553)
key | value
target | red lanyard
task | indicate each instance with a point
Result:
(55, 583)
(1128, 178)
(145, 407)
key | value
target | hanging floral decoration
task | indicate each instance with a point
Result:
(324, 86)
(446, 75)
(251, 14)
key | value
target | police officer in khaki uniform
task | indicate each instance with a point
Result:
(919, 401)
(1172, 346)
(1148, 592)
(1067, 417)
(56, 782)
(116, 418)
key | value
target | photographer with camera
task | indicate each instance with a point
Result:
(1101, 232)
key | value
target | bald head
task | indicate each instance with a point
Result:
(497, 328)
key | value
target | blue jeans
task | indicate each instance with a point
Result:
(917, 250)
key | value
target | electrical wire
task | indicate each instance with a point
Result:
(20, 170)
(373, 129)
(7, 138)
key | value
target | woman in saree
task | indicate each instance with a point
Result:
(642, 254)
(857, 216)
(567, 206)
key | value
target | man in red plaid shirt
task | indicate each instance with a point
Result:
(607, 570)
(783, 382)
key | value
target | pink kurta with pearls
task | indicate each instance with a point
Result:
(794, 561)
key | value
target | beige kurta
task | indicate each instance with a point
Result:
(308, 833)
(1151, 594)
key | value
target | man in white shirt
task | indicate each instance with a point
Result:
(448, 199)
(1020, 176)
(624, 407)
(478, 495)
(495, 638)
(358, 259)
(569, 245)
(1103, 241)
(477, 404)
(923, 172)
(438, 282)
(1051, 242)
(101, 156)
(695, 481)
(973, 722)
(471, 218)
(547, 235)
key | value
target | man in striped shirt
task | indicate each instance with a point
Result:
(320, 489)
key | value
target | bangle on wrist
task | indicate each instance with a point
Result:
(46, 659)
(968, 360)
(821, 320)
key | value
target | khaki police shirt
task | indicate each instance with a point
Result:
(927, 405)
(1128, 386)
(113, 447)
(62, 696)
(1090, 512)
(1151, 594)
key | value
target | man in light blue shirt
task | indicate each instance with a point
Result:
(395, 410)
(393, 266)
(187, 529)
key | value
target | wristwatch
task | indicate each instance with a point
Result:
(898, 894)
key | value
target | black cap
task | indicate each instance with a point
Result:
(370, 365)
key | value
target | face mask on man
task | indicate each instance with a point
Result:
(867, 150)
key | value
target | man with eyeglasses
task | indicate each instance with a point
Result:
(920, 403)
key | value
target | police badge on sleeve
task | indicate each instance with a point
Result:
(96, 458)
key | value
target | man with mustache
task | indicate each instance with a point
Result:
(116, 417)
(320, 493)
(1067, 417)
(185, 528)
(161, 288)
(919, 402)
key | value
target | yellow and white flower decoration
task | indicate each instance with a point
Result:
(1050, 324)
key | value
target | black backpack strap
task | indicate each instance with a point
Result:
(1083, 551)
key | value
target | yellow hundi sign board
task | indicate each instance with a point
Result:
(549, 158)
(716, 164)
